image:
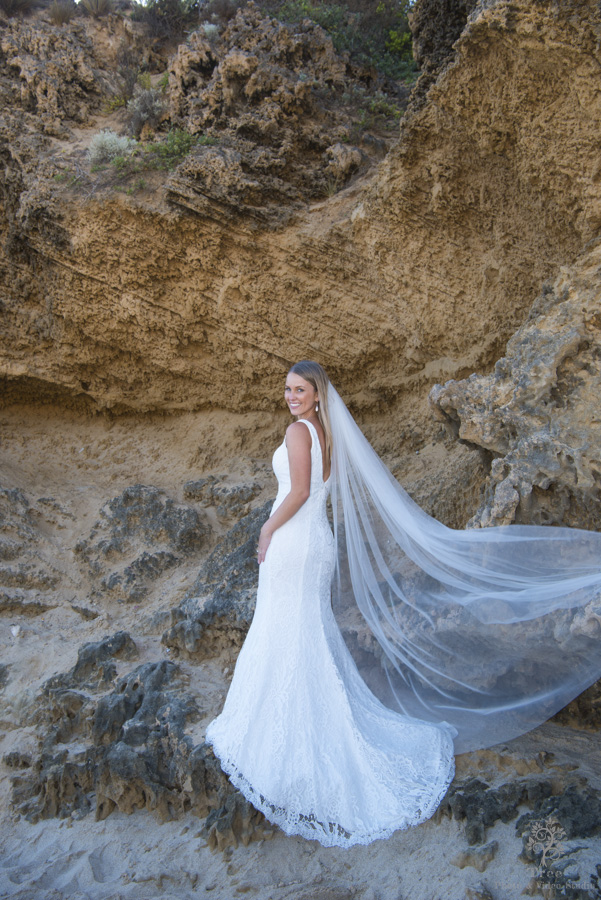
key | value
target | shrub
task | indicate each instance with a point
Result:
(17, 7)
(167, 19)
(61, 12)
(96, 8)
(145, 108)
(166, 154)
(144, 81)
(222, 10)
(107, 146)
(128, 69)
(211, 31)
(376, 34)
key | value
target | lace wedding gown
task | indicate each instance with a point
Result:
(301, 735)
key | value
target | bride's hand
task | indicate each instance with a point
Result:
(264, 542)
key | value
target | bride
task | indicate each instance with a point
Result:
(473, 637)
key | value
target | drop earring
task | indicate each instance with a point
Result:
(317, 407)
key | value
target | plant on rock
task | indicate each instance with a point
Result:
(96, 8)
(61, 11)
(107, 146)
(145, 108)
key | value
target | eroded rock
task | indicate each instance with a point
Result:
(534, 414)
(481, 805)
(476, 857)
(217, 611)
(231, 500)
(140, 534)
(27, 587)
(584, 711)
(111, 743)
(57, 72)
(577, 809)
(271, 96)
(236, 821)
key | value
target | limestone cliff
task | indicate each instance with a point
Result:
(420, 274)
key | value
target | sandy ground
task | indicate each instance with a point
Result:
(135, 857)
(81, 462)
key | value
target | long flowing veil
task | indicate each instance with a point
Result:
(488, 630)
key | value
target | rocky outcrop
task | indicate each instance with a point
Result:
(119, 743)
(435, 26)
(273, 98)
(231, 501)
(490, 189)
(57, 73)
(534, 415)
(30, 579)
(216, 613)
(145, 533)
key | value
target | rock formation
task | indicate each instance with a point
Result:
(217, 611)
(534, 416)
(484, 196)
(137, 755)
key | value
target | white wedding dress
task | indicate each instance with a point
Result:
(301, 735)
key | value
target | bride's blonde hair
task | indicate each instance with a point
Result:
(316, 376)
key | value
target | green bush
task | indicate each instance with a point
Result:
(125, 158)
(143, 81)
(375, 34)
(168, 153)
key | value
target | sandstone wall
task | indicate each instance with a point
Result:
(417, 273)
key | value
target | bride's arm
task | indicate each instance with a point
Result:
(298, 444)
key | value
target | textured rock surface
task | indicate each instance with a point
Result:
(272, 97)
(140, 519)
(30, 573)
(232, 501)
(218, 610)
(56, 72)
(489, 190)
(119, 743)
(535, 414)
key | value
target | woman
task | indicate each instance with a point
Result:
(482, 635)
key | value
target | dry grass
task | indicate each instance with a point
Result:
(61, 12)
(97, 8)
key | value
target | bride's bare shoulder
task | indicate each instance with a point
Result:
(298, 434)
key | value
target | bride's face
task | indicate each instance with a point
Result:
(300, 396)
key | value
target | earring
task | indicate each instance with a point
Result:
(317, 407)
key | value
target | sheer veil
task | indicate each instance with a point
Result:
(490, 631)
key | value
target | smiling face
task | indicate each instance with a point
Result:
(301, 396)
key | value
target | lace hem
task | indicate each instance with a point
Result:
(331, 834)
